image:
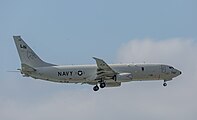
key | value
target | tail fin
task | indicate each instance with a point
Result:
(27, 56)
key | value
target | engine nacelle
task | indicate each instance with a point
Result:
(113, 84)
(124, 77)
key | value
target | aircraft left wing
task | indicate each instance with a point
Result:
(104, 71)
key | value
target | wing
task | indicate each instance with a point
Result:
(104, 71)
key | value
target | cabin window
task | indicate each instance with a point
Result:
(142, 68)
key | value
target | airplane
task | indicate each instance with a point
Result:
(100, 75)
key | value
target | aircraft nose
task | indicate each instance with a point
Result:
(179, 72)
(176, 72)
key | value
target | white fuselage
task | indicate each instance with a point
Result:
(88, 73)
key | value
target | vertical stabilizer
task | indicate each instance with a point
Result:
(27, 56)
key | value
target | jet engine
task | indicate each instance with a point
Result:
(123, 77)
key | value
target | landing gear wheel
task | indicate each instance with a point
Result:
(102, 85)
(96, 88)
(164, 84)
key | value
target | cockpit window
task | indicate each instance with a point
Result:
(171, 67)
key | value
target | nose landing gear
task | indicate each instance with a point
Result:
(165, 84)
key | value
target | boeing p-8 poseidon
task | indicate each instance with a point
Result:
(100, 75)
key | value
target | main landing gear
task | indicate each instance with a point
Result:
(96, 88)
(102, 85)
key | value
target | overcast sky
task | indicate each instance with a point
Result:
(125, 31)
